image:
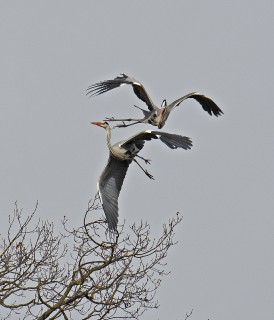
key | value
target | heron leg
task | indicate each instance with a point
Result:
(123, 125)
(126, 125)
(146, 160)
(145, 171)
(113, 119)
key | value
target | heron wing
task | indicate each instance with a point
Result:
(109, 185)
(141, 136)
(104, 86)
(173, 141)
(207, 104)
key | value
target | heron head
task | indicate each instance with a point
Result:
(101, 124)
(164, 103)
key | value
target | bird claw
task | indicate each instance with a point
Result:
(147, 161)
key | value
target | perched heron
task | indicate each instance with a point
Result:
(121, 155)
(155, 116)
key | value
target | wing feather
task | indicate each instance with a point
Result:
(207, 104)
(110, 184)
(174, 141)
(144, 135)
(107, 85)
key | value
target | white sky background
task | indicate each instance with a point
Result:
(51, 51)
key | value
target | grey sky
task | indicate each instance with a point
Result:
(51, 51)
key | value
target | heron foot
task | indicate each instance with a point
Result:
(147, 161)
(121, 125)
(149, 175)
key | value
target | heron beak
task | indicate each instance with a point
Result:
(97, 123)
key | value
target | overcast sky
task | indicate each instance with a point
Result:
(51, 51)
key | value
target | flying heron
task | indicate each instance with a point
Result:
(121, 154)
(156, 116)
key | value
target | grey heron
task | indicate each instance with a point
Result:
(155, 116)
(121, 154)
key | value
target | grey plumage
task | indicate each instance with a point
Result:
(121, 155)
(173, 141)
(104, 86)
(156, 116)
(109, 187)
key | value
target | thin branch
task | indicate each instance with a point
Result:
(85, 272)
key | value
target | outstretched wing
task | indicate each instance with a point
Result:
(104, 86)
(141, 136)
(207, 104)
(173, 141)
(109, 185)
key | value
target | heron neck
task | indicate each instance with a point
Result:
(108, 130)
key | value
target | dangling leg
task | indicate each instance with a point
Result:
(128, 119)
(145, 171)
(123, 121)
(126, 125)
(146, 113)
(146, 160)
(143, 120)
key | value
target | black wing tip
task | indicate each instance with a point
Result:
(212, 108)
(207, 104)
(220, 112)
(189, 143)
(98, 88)
(186, 144)
(106, 85)
(93, 93)
(94, 89)
(216, 112)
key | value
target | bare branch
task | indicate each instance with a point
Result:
(85, 272)
(188, 314)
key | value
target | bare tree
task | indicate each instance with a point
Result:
(83, 273)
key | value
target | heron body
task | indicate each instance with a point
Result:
(156, 116)
(121, 155)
